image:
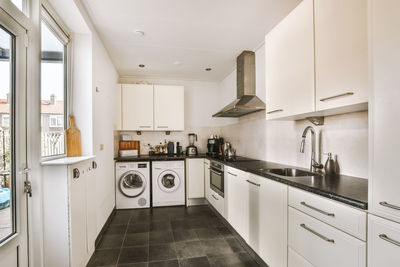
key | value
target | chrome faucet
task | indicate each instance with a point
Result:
(314, 164)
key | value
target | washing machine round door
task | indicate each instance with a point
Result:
(169, 181)
(132, 184)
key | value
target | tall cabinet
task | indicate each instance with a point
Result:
(384, 197)
(69, 211)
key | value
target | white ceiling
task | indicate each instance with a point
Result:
(197, 33)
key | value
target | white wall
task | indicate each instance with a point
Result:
(105, 78)
(279, 141)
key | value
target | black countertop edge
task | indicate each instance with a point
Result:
(359, 202)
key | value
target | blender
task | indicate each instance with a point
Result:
(191, 150)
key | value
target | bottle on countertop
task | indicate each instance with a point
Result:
(330, 167)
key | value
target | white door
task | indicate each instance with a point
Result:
(169, 108)
(13, 200)
(289, 59)
(341, 53)
(137, 107)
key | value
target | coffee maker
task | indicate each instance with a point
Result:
(214, 146)
(191, 150)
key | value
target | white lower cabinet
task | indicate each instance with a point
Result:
(69, 214)
(268, 220)
(195, 178)
(237, 194)
(295, 260)
(218, 202)
(323, 245)
(383, 242)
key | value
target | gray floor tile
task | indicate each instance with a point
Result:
(234, 244)
(189, 249)
(136, 239)
(216, 246)
(140, 264)
(169, 263)
(116, 229)
(161, 237)
(194, 262)
(232, 260)
(104, 257)
(134, 255)
(139, 227)
(184, 235)
(207, 233)
(162, 252)
(111, 241)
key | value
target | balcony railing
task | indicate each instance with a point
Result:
(53, 143)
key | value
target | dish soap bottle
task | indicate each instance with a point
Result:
(330, 165)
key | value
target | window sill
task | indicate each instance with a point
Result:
(67, 160)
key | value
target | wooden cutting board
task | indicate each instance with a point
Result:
(73, 135)
(129, 145)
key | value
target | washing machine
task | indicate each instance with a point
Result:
(168, 180)
(132, 185)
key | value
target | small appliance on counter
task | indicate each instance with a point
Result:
(214, 145)
(229, 151)
(191, 150)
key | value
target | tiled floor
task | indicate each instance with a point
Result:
(173, 236)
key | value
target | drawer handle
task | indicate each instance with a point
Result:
(336, 96)
(274, 111)
(144, 126)
(317, 234)
(215, 197)
(232, 174)
(75, 173)
(384, 203)
(316, 209)
(253, 183)
(162, 127)
(388, 239)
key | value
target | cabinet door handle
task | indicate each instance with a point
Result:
(274, 111)
(250, 182)
(215, 197)
(317, 234)
(384, 203)
(145, 127)
(217, 173)
(232, 174)
(162, 127)
(317, 209)
(336, 96)
(388, 239)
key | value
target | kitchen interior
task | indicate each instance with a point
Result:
(225, 133)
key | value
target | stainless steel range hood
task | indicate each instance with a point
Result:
(247, 102)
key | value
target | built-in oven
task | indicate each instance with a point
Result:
(217, 177)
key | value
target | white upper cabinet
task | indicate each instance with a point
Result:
(169, 108)
(137, 107)
(385, 110)
(341, 53)
(152, 107)
(317, 60)
(289, 49)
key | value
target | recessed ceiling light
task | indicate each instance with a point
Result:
(142, 65)
(139, 33)
(177, 63)
(208, 69)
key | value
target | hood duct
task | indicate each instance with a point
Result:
(246, 102)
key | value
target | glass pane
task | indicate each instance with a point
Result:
(52, 94)
(6, 182)
(18, 3)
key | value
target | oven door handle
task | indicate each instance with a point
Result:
(218, 173)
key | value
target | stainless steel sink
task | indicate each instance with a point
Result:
(291, 172)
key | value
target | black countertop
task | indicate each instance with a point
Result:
(346, 189)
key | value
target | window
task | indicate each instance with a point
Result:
(5, 120)
(53, 87)
(20, 4)
(56, 121)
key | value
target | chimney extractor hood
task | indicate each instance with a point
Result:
(247, 102)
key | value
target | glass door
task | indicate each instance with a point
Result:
(13, 174)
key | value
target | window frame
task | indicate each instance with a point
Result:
(58, 28)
